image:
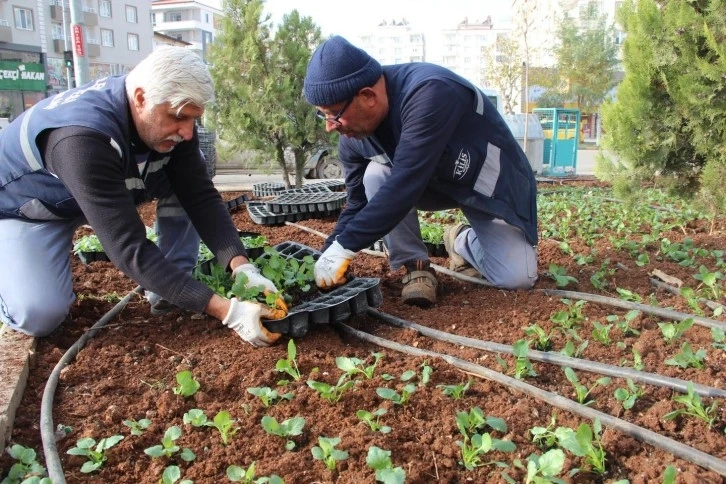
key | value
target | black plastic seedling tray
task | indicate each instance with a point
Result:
(261, 215)
(351, 299)
(332, 185)
(267, 189)
(235, 203)
(314, 203)
(94, 256)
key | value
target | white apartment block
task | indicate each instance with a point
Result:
(35, 33)
(187, 20)
(395, 42)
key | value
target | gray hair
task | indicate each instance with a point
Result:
(172, 74)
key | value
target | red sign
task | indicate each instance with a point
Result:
(78, 40)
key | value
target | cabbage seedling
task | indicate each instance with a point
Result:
(628, 396)
(289, 365)
(137, 428)
(168, 446)
(394, 396)
(96, 456)
(327, 452)
(332, 393)
(372, 420)
(693, 407)
(247, 476)
(581, 391)
(26, 468)
(171, 475)
(584, 443)
(474, 447)
(187, 384)
(268, 396)
(288, 428)
(380, 460)
(355, 365)
(455, 391)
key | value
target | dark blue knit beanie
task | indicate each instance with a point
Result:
(337, 71)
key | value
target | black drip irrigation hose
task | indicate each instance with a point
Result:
(47, 430)
(666, 444)
(552, 358)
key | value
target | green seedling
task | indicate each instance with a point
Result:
(669, 475)
(87, 243)
(187, 384)
(642, 260)
(571, 317)
(426, 372)
(673, 331)
(692, 299)
(624, 324)
(394, 396)
(171, 475)
(584, 443)
(559, 275)
(225, 424)
(372, 419)
(474, 421)
(380, 461)
(475, 446)
(522, 365)
(291, 427)
(96, 456)
(247, 476)
(332, 393)
(27, 469)
(628, 396)
(710, 280)
(196, 418)
(637, 361)
(254, 242)
(268, 396)
(599, 279)
(218, 279)
(544, 437)
(326, 452)
(168, 446)
(542, 469)
(541, 340)
(693, 407)
(601, 332)
(353, 366)
(627, 295)
(137, 428)
(289, 364)
(581, 391)
(285, 272)
(455, 391)
(572, 351)
(686, 358)
(719, 338)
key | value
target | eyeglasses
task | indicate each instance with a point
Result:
(335, 119)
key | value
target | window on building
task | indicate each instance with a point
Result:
(131, 16)
(172, 17)
(206, 18)
(107, 37)
(56, 32)
(133, 41)
(104, 8)
(23, 18)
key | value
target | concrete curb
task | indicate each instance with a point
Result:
(17, 352)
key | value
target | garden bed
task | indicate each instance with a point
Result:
(128, 370)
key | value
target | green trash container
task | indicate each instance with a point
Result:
(561, 128)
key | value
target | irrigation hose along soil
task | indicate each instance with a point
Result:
(47, 431)
(713, 305)
(662, 442)
(584, 296)
(552, 357)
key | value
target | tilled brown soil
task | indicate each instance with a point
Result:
(128, 372)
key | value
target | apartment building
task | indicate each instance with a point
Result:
(395, 42)
(187, 20)
(35, 33)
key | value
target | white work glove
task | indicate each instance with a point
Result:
(254, 278)
(331, 266)
(245, 318)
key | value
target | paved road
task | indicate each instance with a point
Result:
(242, 180)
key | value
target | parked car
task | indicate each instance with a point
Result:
(322, 165)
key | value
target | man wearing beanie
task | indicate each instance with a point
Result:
(419, 137)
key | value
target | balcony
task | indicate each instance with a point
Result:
(90, 17)
(59, 46)
(6, 33)
(93, 48)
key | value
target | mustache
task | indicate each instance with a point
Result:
(175, 138)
